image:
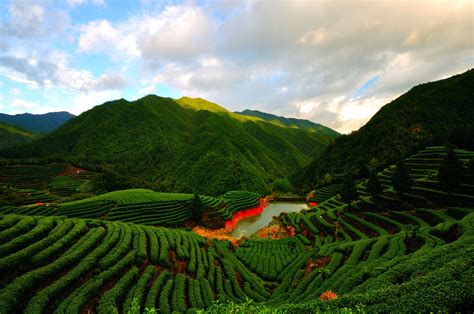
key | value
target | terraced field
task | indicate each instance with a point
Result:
(331, 221)
(76, 265)
(374, 258)
(144, 207)
(22, 184)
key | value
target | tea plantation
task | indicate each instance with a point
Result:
(410, 252)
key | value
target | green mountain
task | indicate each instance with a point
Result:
(185, 145)
(11, 135)
(41, 123)
(290, 122)
(430, 114)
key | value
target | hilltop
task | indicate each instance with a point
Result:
(435, 113)
(290, 122)
(40, 123)
(184, 145)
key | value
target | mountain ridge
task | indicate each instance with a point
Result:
(183, 149)
(429, 114)
(288, 122)
(40, 123)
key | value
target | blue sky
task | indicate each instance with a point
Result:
(335, 63)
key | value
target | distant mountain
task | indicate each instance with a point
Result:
(290, 122)
(429, 114)
(186, 145)
(11, 135)
(41, 123)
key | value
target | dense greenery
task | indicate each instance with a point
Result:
(373, 257)
(11, 135)
(290, 122)
(141, 206)
(434, 113)
(185, 145)
(38, 123)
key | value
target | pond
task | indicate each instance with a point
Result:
(250, 225)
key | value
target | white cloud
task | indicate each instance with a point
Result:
(86, 101)
(147, 90)
(23, 105)
(108, 81)
(295, 58)
(28, 19)
(102, 37)
(75, 3)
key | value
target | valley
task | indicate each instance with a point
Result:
(168, 205)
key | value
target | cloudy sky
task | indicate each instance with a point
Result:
(332, 62)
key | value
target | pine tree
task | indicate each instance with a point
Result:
(401, 179)
(451, 171)
(349, 191)
(374, 187)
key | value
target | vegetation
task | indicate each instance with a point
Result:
(398, 239)
(434, 113)
(37, 123)
(348, 192)
(146, 207)
(282, 185)
(401, 179)
(338, 261)
(450, 171)
(185, 145)
(11, 135)
(290, 122)
(373, 186)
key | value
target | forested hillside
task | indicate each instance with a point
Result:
(434, 113)
(11, 135)
(184, 145)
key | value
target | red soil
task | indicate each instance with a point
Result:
(312, 204)
(242, 214)
(71, 170)
(223, 233)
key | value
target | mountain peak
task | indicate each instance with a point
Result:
(200, 104)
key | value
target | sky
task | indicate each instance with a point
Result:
(332, 62)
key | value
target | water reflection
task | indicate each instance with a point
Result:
(250, 225)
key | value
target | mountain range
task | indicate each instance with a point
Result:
(184, 145)
(39, 123)
(193, 145)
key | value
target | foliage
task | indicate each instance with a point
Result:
(401, 179)
(185, 145)
(428, 114)
(373, 186)
(282, 185)
(450, 171)
(11, 135)
(349, 191)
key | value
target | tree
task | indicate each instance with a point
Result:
(196, 207)
(401, 179)
(282, 185)
(327, 179)
(374, 187)
(349, 191)
(451, 171)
